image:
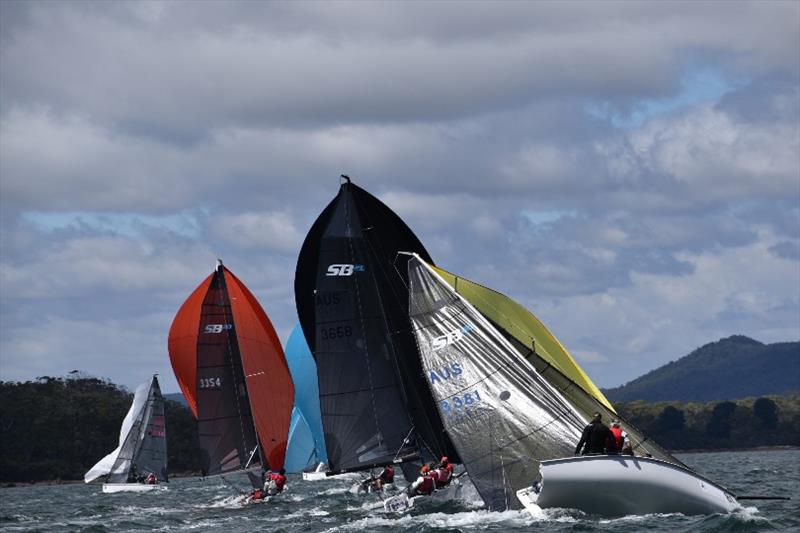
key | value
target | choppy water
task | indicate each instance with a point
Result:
(195, 505)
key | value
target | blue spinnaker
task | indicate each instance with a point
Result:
(306, 446)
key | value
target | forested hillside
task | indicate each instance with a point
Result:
(745, 423)
(57, 428)
(731, 368)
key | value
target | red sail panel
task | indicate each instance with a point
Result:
(182, 343)
(269, 383)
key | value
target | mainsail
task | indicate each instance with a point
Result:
(231, 368)
(142, 446)
(502, 415)
(352, 303)
(550, 358)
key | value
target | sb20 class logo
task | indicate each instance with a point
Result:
(217, 328)
(343, 269)
(451, 337)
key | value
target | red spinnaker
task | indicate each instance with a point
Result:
(268, 382)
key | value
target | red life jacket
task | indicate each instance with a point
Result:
(445, 473)
(387, 476)
(257, 494)
(279, 480)
(427, 485)
(618, 438)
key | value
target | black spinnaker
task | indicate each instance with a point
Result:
(352, 301)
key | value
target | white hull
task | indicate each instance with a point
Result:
(314, 476)
(619, 485)
(401, 502)
(131, 487)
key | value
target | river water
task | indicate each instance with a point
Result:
(192, 504)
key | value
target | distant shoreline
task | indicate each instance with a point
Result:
(754, 449)
(12, 484)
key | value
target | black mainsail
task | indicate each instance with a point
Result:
(352, 303)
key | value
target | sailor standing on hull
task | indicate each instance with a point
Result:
(596, 438)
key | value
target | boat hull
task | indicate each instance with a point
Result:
(619, 485)
(110, 488)
(402, 503)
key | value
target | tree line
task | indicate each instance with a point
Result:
(56, 428)
(719, 425)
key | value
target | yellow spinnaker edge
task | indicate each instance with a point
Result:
(524, 327)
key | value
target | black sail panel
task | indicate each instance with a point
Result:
(363, 411)
(225, 423)
(151, 457)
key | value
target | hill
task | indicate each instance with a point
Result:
(731, 368)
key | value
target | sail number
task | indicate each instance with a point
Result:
(209, 383)
(217, 328)
(336, 332)
(460, 401)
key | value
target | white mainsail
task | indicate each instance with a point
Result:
(501, 415)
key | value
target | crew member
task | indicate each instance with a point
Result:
(424, 485)
(619, 436)
(275, 482)
(151, 479)
(596, 438)
(445, 471)
(386, 477)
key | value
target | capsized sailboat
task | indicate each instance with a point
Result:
(230, 366)
(353, 307)
(539, 404)
(142, 450)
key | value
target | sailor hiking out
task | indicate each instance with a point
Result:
(424, 484)
(444, 472)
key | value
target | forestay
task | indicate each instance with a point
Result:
(501, 415)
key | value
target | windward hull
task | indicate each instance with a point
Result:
(622, 485)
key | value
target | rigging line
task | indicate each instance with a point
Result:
(405, 441)
(348, 225)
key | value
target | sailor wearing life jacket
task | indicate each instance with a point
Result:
(445, 472)
(424, 485)
(619, 435)
(275, 482)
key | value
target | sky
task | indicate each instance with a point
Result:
(628, 171)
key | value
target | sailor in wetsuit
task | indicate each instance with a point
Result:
(596, 438)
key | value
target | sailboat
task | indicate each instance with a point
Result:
(230, 366)
(142, 449)
(515, 429)
(352, 303)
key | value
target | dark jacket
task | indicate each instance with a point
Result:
(597, 438)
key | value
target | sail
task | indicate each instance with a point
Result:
(117, 464)
(151, 453)
(550, 358)
(301, 453)
(352, 304)
(502, 415)
(306, 401)
(520, 323)
(231, 368)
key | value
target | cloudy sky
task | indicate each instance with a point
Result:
(629, 171)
